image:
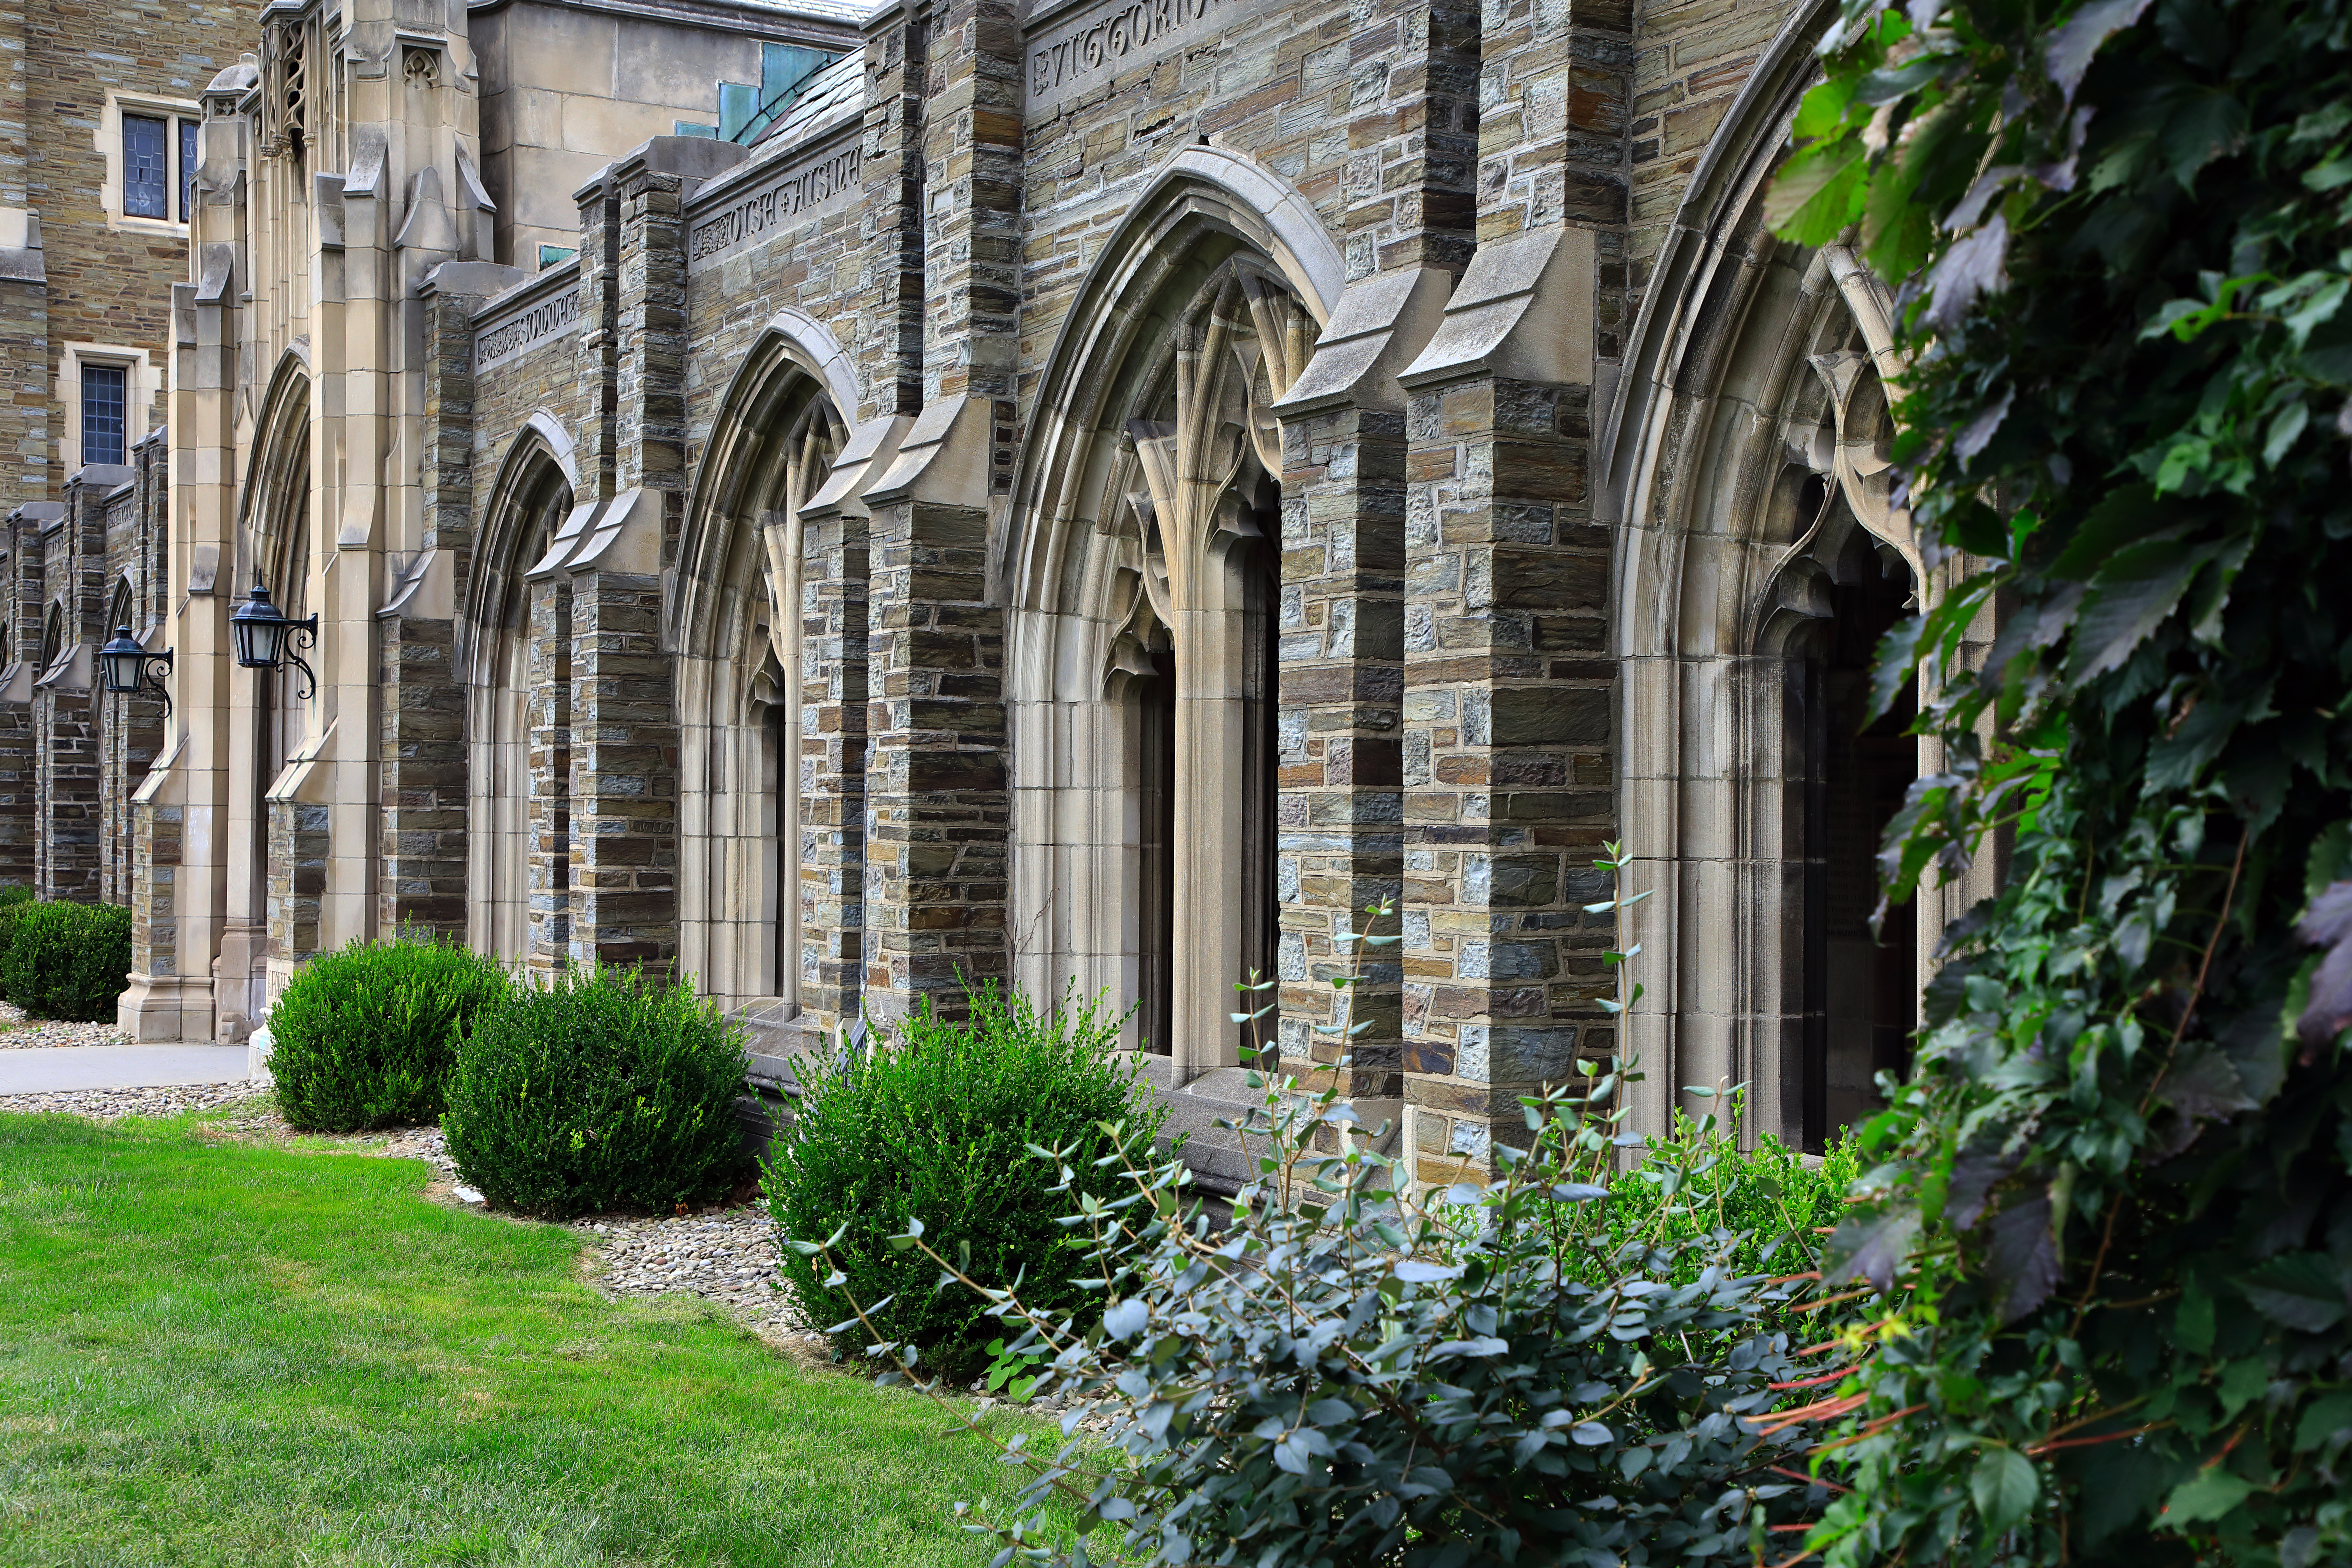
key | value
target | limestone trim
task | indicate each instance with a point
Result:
(1138, 659)
(499, 651)
(107, 140)
(141, 387)
(1200, 206)
(760, 641)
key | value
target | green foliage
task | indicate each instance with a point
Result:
(603, 1089)
(13, 900)
(1780, 1206)
(938, 1128)
(366, 1037)
(1559, 1368)
(2116, 1193)
(67, 961)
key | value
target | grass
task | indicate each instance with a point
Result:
(212, 1353)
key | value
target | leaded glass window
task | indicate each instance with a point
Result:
(146, 171)
(103, 389)
(188, 171)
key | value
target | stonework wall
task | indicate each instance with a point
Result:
(1061, 425)
(82, 282)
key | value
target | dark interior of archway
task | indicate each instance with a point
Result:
(1861, 988)
(1260, 772)
(781, 765)
(1156, 915)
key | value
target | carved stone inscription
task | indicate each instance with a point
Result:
(1085, 49)
(553, 317)
(792, 196)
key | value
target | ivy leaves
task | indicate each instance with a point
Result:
(2101, 1208)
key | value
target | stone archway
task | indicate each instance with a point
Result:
(1144, 574)
(770, 637)
(1759, 557)
(517, 677)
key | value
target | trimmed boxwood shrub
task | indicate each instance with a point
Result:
(365, 1037)
(938, 1128)
(605, 1090)
(67, 961)
(13, 900)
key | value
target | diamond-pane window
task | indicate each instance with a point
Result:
(146, 172)
(187, 171)
(103, 387)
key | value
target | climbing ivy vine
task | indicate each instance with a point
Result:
(2108, 1212)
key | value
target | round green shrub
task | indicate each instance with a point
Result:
(14, 900)
(605, 1090)
(67, 961)
(938, 1128)
(366, 1037)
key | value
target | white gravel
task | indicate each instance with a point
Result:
(18, 1033)
(727, 1255)
(106, 1104)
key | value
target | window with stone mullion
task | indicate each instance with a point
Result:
(146, 189)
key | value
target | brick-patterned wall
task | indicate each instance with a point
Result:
(1693, 58)
(109, 282)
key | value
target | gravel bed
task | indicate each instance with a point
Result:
(106, 1104)
(727, 1255)
(18, 1033)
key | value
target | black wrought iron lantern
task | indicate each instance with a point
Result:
(265, 639)
(126, 669)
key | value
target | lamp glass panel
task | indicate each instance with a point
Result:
(260, 643)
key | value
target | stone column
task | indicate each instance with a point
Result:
(623, 801)
(885, 333)
(623, 754)
(938, 809)
(830, 751)
(549, 858)
(20, 839)
(1508, 770)
(423, 769)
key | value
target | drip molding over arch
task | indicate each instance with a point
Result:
(795, 359)
(541, 448)
(1199, 208)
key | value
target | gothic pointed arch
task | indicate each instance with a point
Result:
(1200, 210)
(274, 501)
(745, 620)
(513, 658)
(1142, 568)
(1760, 556)
(534, 489)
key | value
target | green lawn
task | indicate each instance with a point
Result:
(217, 1353)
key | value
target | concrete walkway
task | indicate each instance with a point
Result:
(117, 1066)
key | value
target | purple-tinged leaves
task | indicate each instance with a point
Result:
(2204, 1088)
(2305, 1290)
(1871, 1247)
(1973, 266)
(2328, 924)
(2069, 54)
(1974, 1175)
(1979, 432)
(2023, 1259)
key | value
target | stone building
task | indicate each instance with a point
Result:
(98, 105)
(1094, 494)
